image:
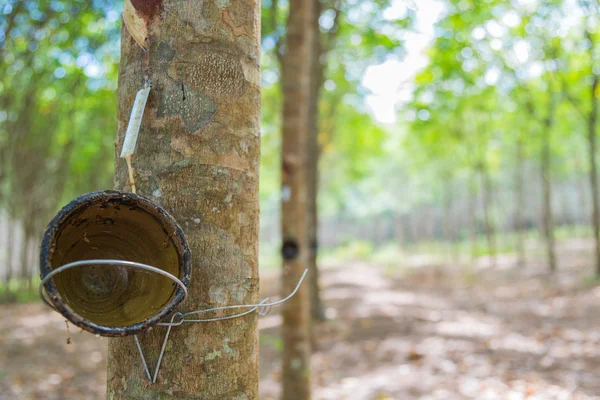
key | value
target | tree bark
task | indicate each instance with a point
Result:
(296, 75)
(197, 155)
(519, 204)
(594, 171)
(547, 217)
(316, 306)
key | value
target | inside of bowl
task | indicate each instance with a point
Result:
(113, 295)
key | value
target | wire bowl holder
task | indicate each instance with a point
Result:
(113, 228)
(129, 264)
(177, 318)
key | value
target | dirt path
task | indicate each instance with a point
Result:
(429, 335)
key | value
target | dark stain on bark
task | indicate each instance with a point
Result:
(148, 8)
(165, 52)
(290, 249)
(194, 109)
(286, 167)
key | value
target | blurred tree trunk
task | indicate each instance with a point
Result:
(564, 219)
(592, 146)
(448, 195)
(28, 225)
(473, 216)
(399, 230)
(314, 151)
(378, 231)
(546, 163)
(31, 258)
(582, 195)
(197, 155)
(414, 226)
(592, 137)
(520, 203)
(431, 225)
(24, 270)
(297, 84)
(11, 233)
(486, 192)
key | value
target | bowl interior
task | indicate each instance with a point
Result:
(122, 229)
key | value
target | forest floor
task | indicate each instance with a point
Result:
(431, 332)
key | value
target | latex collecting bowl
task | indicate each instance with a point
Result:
(114, 299)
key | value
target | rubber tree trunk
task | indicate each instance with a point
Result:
(565, 212)
(314, 151)
(25, 265)
(415, 232)
(399, 226)
(473, 229)
(547, 217)
(448, 235)
(296, 74)
(520, 203)
(592, 138)
(32, 254)
(24, 269)
(582, 196)
(11, 233)
(431, 225)
(486, 196)
(198, 156)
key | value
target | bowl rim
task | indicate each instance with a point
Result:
(76, 206)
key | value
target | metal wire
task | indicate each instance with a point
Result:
(178, 318)
(152, 378)
(263, 304)
(263, 308)
(123, 263)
